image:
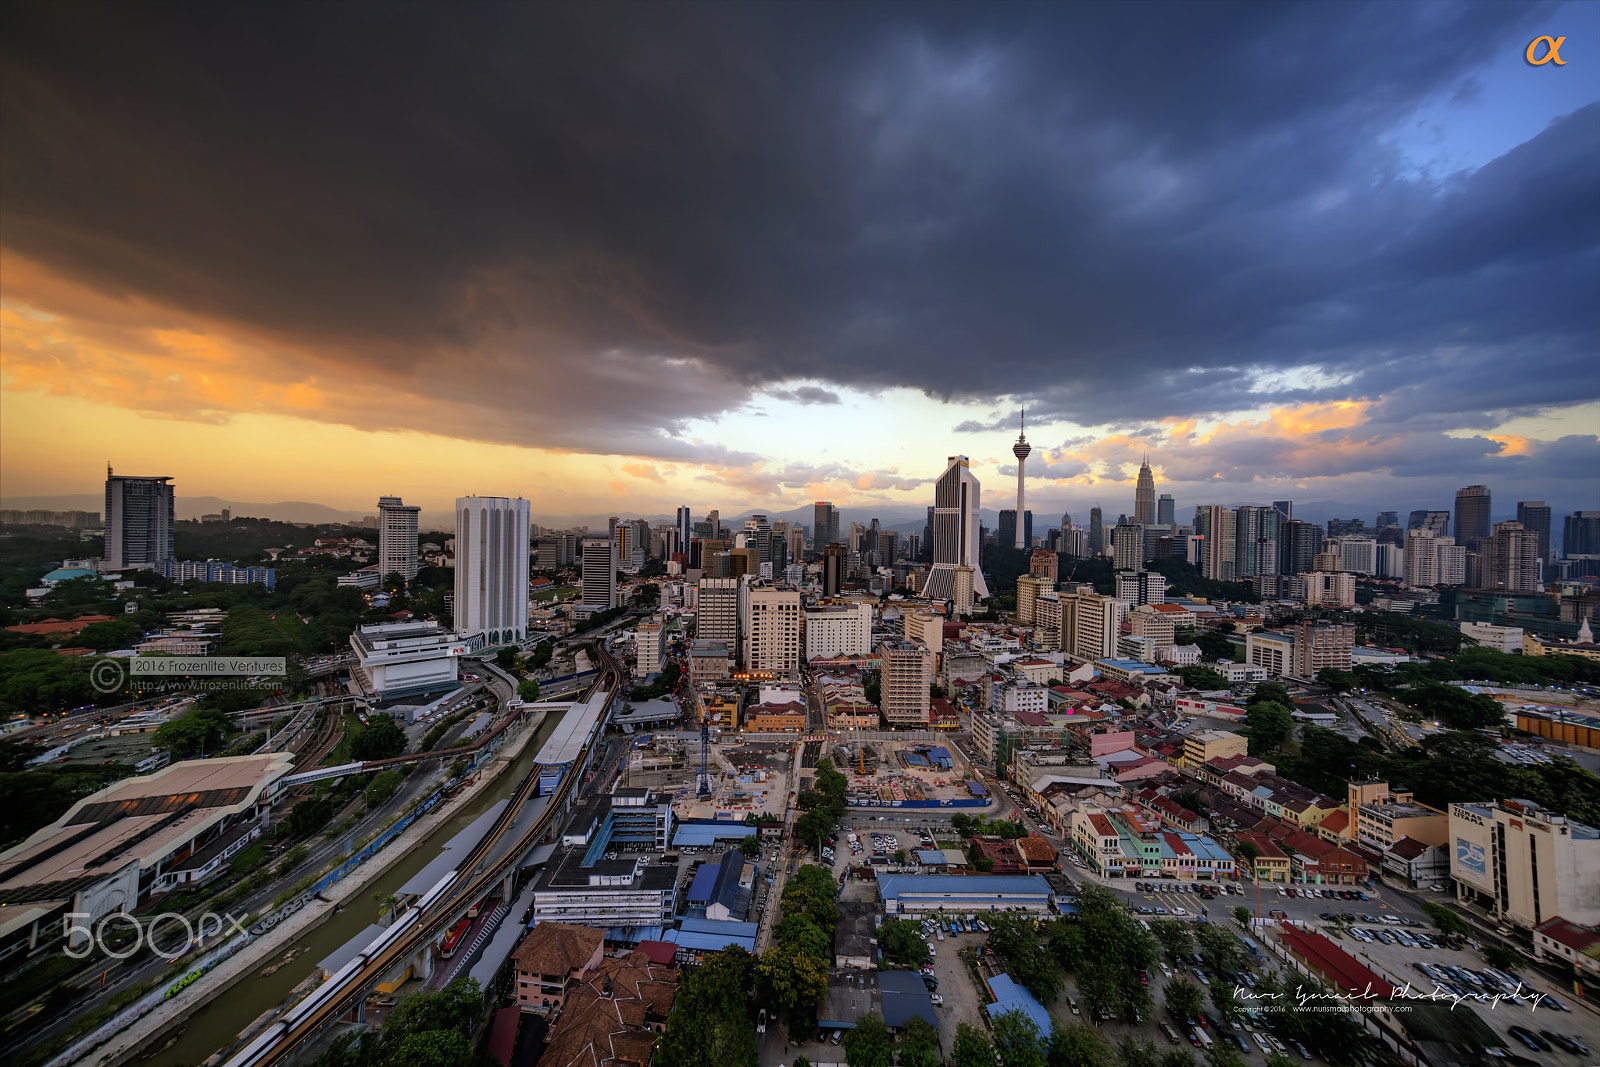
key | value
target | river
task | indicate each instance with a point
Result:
(217, 1024)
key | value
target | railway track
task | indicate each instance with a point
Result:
(431, 915)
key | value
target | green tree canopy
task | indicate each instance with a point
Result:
(919, 1043)
(868, 1043)
(1183, 998)
(971, 1047)
(1018, 1040)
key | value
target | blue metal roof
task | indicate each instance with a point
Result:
(891, 886)
(709, 935)
(977, 789)
(1009, 996)
(726, 889)
(938, 752)
(905, 995)
(704, 879)
(704, 835)
(930, 855)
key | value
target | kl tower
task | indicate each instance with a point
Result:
(1021, 450)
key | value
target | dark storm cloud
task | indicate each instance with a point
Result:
(1117, 212)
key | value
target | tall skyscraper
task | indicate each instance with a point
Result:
(1435, 522)
(139, 516)
(1215, 526)
(1388, 518)
(1021, 450)
(1284, 508)
(685, 526)
(1127, 546)
(1431, 560)
(397, 538)
(1535, 516)
(1472, 516)
(1255, 549)
(1511, 558)
(1097, 532)
(1144, 495)
(600, 574)
(824, 524)
(714, 518)
(1580, 534)
(492, 568)
(834, 560)
(1005, 528)
(955, 531)
(1298, 545)
(1166, 510)
(1045, 564)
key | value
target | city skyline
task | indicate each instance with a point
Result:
(590, 342)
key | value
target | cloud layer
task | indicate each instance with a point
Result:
(585, 227)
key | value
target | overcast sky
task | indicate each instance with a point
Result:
(618, 258)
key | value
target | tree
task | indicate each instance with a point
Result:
(506, 658)
(712, 1022)
(1173, 935)
(308, 817)
(1447, 921)
(1075, 1045)
(1221, 947)
(1268, 723)
(1134, 1052)
(919, 1043)
(971, 1047)
(379, 739)
(435, 1048)
(528, 691)
(1018, 1040)
(1270, 693)
(1014, 937)
(1177, 1057)
(750, 846)
(902, 942)
(868, 1043)
(899, 855)
(800, 932)
(1251, 853)
(1340, 681)
(1455, 707)
(1203, 678)
(1220, 1055)
(1183, 998)
(794, 981)
(196, 732)
(1225, 1000)
(382, 787)
(1241, 915)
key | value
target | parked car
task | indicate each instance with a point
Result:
(1532, 1040)
(761, 1022)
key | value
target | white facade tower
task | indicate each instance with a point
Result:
(492, 568)
(1021, 450)
(397, 538)
(955, 532)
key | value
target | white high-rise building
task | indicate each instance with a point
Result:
(955, 532)
(1021, 450)
(1359, 555)
(491, 595)
(1431, 561)
(772, 630)
(1127, 546)
(397, 538)
(907, 673)
(600, 574)
(838, 630)
(139, 516)
(1089, 625)
(717, 614)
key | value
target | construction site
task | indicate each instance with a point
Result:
(897, 773)
(729, 782)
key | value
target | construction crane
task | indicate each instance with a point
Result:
(704, 788)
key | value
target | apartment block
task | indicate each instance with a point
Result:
(906, 675)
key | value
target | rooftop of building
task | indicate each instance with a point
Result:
(557, 948)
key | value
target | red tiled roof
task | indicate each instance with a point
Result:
(1337, 823)
(1341, 970)
(1580, 939)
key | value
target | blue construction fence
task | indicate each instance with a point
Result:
(960, 802)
